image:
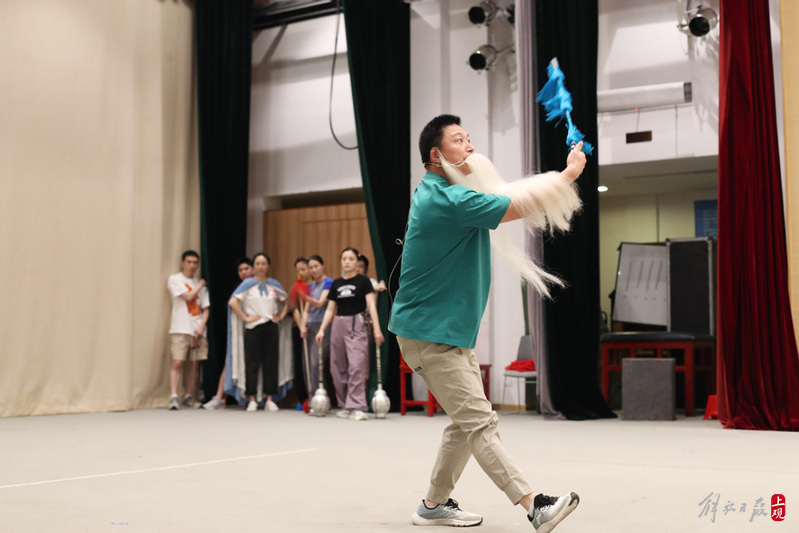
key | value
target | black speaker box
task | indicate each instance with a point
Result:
(692, 285)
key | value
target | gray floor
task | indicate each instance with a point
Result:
(231, 471)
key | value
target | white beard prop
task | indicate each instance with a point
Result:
(544, 201)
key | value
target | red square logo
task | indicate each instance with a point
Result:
(777, 507)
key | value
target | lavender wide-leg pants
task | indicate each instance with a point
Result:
(349, 360)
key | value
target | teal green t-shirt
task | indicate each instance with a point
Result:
(446, 263)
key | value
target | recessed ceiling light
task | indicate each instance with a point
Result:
(602, 188)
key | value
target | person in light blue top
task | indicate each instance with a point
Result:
(443, 291)
(259, 304)
(317, 305)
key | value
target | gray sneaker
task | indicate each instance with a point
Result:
(548, 511)
(187, 401)
(445, 514)
(173, 403)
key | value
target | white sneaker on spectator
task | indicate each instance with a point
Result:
(271, 406)
(344, 413)
(174, 404)
(215, 403)
(252, 406)
(187, 400)
(358, 415)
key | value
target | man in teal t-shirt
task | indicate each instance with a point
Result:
(446, 272)
(443, 290)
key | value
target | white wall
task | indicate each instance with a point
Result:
(640, 45)
(442, 38)
(291, 148)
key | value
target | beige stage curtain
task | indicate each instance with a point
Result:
(789, 33)
(99, 194)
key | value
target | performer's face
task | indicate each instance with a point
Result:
(261, 266)
(317, 269)
(189, 266)
(349, 262)
(361, 268)
(245, 271)
(455, 146)
(302, 271)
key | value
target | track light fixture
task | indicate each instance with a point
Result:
(485, 56)
(700, 19)
(485, 12)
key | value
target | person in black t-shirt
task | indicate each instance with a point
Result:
(353, 304)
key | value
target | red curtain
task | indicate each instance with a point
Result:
(758, 365)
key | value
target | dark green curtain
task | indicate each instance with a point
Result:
(378, 42)
(567, 29)
(224, 51)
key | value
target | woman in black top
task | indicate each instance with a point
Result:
(353, 304)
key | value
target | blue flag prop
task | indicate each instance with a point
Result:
(558, 104)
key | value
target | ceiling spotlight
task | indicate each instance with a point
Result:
(483, 13)
(700, 20)
(483, 58)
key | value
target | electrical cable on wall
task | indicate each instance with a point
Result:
(332, 74)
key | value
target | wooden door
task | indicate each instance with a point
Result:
(323, 231)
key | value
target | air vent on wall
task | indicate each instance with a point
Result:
(631, 98)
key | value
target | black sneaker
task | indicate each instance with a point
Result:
(548, 511)
(445, 514)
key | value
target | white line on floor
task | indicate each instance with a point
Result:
(159, 469)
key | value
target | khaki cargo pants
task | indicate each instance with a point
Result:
(453, 376)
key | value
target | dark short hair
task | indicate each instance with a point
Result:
(268, 261)
(244, 261)
(190, 253)
(300, 260)
(433, 132)
(316, 258)
(351, 249)
(365, 261)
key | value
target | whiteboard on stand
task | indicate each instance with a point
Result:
(642, 288)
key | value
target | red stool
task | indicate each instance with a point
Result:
(711, 410)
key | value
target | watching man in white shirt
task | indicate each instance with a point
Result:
(190, 309)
